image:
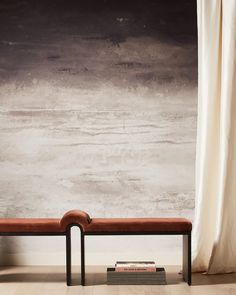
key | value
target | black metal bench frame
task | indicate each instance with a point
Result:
(186, 259)
(49, 234)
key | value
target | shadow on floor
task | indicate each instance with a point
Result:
(199, 279)
(173, 278)
(32, 277)
(9, 275)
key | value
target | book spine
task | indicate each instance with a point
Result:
(135, 269)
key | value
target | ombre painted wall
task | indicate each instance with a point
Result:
(98, 105)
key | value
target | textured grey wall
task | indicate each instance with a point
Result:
(97, 109)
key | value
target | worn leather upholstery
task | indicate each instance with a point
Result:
(75, 217)
(133, 225)
(95, 225)
(30, 225)
(44, 225)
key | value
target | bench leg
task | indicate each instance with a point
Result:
(187, 265)
(82, 260)
(68, 257)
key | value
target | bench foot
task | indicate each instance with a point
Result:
(187, 264)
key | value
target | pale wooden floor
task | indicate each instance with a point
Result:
(51, 280)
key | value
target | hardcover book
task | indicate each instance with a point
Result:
(136, 278)
(135, 266)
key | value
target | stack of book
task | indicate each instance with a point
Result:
(136, 273)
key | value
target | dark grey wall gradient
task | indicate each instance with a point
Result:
(97, 108)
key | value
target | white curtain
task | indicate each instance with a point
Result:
(214, 234)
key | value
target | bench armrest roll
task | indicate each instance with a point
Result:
(75, 217)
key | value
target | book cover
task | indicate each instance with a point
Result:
(135, 266)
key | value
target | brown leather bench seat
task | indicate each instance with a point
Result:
(30, 225)
(94, 225)
(133, 225)
(128, 225)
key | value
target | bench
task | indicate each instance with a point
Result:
(99, 226)
(126, 226)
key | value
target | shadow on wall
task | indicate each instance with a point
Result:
(7, 247)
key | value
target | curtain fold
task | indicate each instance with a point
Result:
(214, 233)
